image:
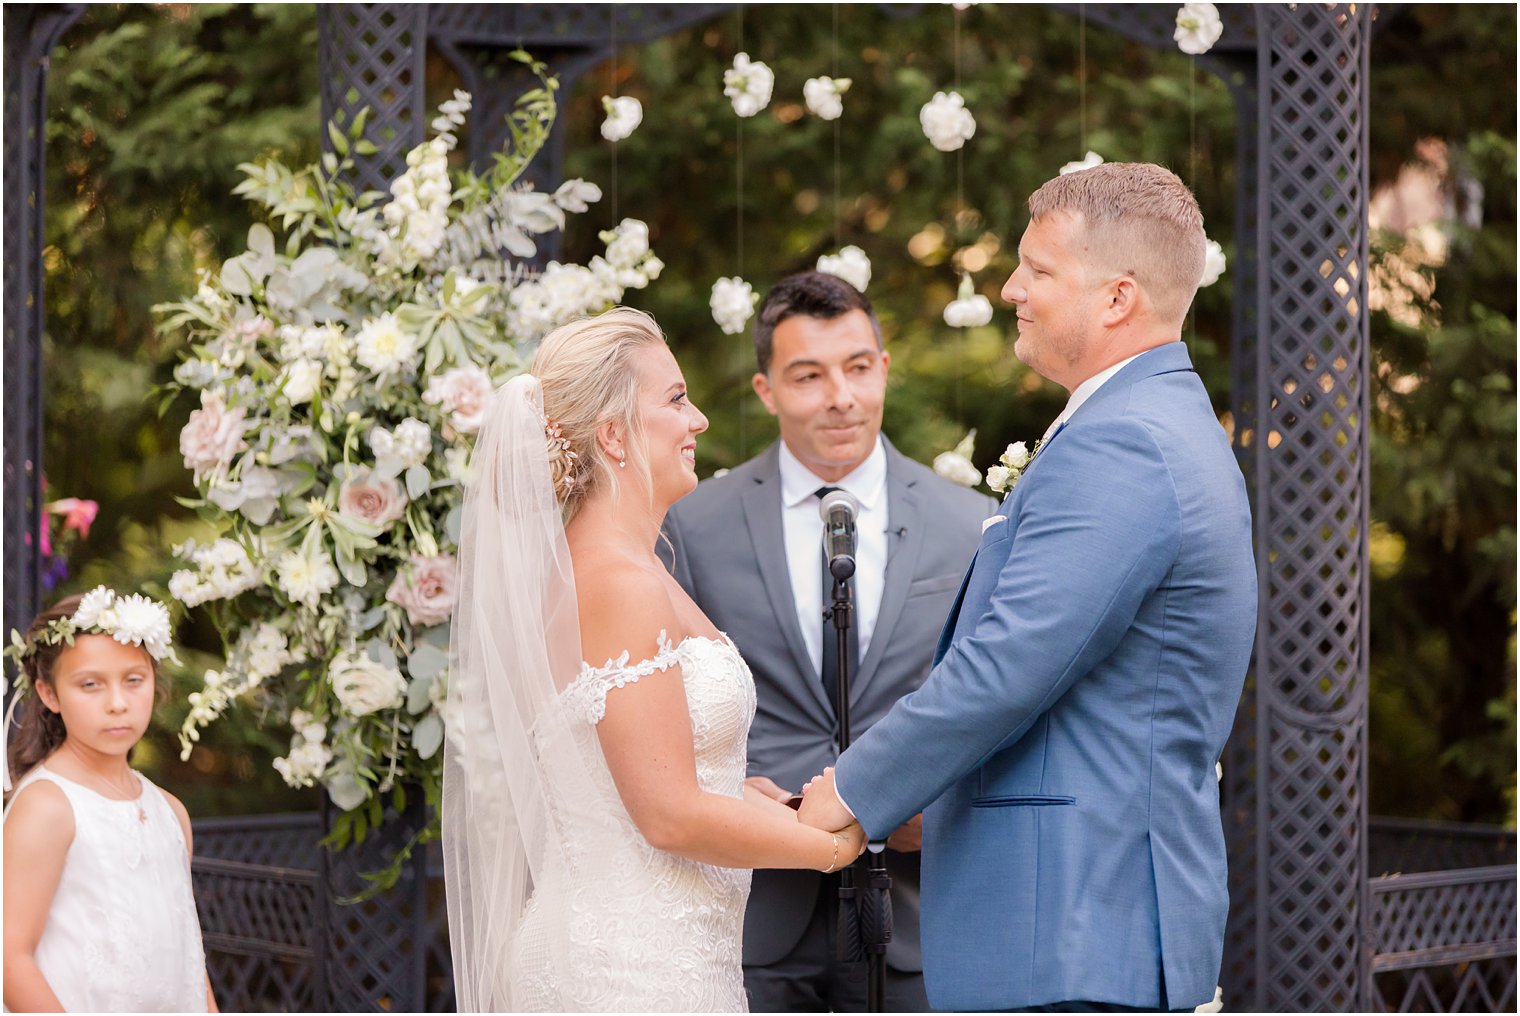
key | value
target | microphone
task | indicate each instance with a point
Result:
(839, 511)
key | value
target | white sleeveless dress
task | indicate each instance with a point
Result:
(616, 925)
(122, 934)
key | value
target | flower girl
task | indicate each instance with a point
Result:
(99, 913)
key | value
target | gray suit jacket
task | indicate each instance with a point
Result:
(730, 556)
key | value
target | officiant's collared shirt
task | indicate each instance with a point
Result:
(803, 529)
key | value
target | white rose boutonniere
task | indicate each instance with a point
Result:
(1011, 465)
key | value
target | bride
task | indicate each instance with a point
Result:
(597, 831)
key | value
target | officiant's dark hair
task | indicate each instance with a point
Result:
(808, 294)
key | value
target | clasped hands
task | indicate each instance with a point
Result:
(822, 808)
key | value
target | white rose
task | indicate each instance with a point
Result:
(748, 85)
(850, 264)
(732, 302)
(1088, 161)
(997, 478)
(1198, 28)
(946, 121)
(1213, 264)
(363, 686)
(957, 469)
(822, 96)
(301, 379)
(624, 114)
(1016, 455)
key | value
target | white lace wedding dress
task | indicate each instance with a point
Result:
(613, 923)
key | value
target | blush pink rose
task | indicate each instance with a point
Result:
(462, 393)
(213, 435)
(426, 589)
(372, 498)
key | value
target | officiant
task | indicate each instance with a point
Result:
(747, 548)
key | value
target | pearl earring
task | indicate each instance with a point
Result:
(622, 461)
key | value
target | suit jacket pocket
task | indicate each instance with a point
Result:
(1022, 801)
(935, 584)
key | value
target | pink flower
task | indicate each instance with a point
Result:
(77, 513)
(213, 435)
(462, 392)
(426, 589)
(371, 498)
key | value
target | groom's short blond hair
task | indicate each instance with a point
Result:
(1139, 220)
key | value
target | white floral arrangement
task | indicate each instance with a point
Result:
(824, 96)
(1088, 161)
(955, 465)
(732, 302)
(1198, 28)
(748, 84)
(969, 309)
(624, 114)
(946, 121)
(1213, 263)
(341, 371)
(851, 264)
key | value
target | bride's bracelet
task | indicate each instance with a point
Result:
(835, 862)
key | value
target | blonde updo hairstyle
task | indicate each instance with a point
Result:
(587, 371)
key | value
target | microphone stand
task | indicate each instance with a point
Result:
(865, 913)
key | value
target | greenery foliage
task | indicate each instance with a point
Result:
(144, 143)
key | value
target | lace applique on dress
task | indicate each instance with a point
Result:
(586, 696)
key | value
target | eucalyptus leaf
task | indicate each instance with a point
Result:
(370, 618)
(427, 735)
(346, 791)
(426, 661)
(381, 652)
(417, 694)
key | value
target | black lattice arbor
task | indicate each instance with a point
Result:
(1308, 930)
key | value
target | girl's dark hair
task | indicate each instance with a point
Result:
(39, 731)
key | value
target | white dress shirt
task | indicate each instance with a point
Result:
(803, 533)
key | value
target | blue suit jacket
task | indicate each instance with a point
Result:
(1063, 746)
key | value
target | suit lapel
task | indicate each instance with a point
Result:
(905, 539)
(762, 517)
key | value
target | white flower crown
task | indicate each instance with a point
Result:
(131, 620)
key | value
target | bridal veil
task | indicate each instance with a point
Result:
(515, 644)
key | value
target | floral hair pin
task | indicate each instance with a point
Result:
(133, 620)
(559, 448)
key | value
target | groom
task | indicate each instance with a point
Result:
(1063, 747)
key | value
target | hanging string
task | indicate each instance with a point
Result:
(960, 214)
(838, 213)
(1082, 73)
(739, 227)
(612, 88)
(1192, 158)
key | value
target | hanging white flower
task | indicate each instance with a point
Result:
(624, 114)
(748, 85)
(1198, 28)
(1213, 264)
(1088, 161)
(822, 96)
(733, 301)
(947, 123)
(969, 309)
(850, 264)
(955, 465)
